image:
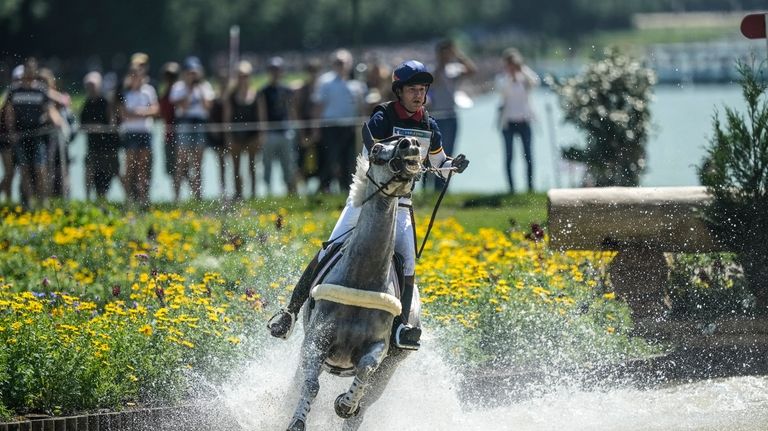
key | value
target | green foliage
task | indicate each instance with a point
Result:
(173, 28)
(551, 329)
(735, 172)
(609, 102)
(708, 286)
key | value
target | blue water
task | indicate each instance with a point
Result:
(682, 126)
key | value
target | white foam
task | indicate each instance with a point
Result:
(424, 395)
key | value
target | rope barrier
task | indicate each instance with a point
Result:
(207, 127)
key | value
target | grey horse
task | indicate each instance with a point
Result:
(354, 340)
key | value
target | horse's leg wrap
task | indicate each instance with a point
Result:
(347, 404)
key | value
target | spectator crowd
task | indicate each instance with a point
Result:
(310, 127)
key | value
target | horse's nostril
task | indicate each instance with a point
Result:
(404, 143)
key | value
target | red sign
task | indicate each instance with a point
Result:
(753, 26)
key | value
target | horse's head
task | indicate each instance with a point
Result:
(392, 166)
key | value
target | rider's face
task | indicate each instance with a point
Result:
(413, 96)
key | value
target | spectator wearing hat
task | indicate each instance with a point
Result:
(452, 66)
(30, 108)
(140, 60)
(276, 107)
(340, 101)
(242, 137)
(62, 131)
(139, 63)
(101, 157)
(170, 74)
(192, 97)
(137, 109)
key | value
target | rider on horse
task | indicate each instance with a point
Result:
(405, 116)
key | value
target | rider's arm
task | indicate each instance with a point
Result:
(437, 156)
(379, 126)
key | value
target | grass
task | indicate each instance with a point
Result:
(473, 211)
(500, 212)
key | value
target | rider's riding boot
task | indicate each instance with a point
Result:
(407, 336)
(281, 324)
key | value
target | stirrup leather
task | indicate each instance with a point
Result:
(399, 344)
(273, 320)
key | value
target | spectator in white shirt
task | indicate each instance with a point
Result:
(192, 97)
(515, 114)
(137, 110)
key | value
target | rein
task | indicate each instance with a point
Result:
(432, 218)
(380, 189)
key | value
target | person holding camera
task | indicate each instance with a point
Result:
(192, 98)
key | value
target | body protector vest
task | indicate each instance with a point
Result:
(409, 127)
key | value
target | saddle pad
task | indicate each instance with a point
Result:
(334, 254)
(357, 298)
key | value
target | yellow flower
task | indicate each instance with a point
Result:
(609, 295)
(146, 330)
(187, 344)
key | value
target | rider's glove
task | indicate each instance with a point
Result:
(460, 162)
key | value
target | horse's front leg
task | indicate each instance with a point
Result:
(376, 387)
(348, 404)
(314, 353)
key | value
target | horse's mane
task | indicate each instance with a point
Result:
(359, 181)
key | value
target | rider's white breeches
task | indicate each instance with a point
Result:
(404, 244)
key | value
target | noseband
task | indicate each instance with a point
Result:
(396, 165)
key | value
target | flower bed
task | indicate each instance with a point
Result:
(101, 309)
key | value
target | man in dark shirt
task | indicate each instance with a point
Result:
(101, 160)
(29, 110)
(308, 154)
(276, 106)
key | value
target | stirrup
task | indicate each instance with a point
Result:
(406, 344)
(274, 320)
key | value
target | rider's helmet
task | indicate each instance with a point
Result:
(409, 73)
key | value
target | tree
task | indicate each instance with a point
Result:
(609, 101)
(735, 172)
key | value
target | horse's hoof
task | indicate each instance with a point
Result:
(296, 425)
(344, 411)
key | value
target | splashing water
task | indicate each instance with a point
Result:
(425, 394)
